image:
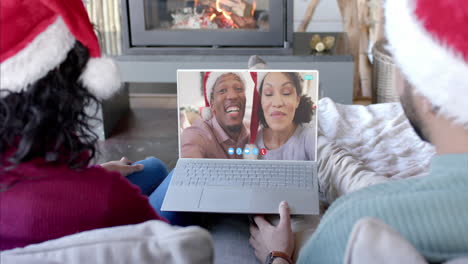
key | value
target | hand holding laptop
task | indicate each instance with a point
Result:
(266, 238)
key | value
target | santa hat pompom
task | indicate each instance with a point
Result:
(101, 77)
(206, 113)
(256, 63)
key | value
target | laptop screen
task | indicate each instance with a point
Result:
(248, 114)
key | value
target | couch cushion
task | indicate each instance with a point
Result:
(373, 241)
(359, 146)
(149, 242)
(463, 260)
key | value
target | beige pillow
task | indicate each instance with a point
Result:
(463, 260)
(373, 241)
(148, 242)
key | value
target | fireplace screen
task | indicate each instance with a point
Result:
(208, 23)
(237, 15)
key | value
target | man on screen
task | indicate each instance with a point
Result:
(222, 132)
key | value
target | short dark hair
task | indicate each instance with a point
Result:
(305, 109)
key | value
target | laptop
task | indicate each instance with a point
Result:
(251, 179)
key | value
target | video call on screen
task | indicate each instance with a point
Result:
(260, 114)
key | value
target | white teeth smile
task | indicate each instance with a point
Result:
(232, 109)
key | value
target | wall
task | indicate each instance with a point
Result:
(189, 83)
(326, 18)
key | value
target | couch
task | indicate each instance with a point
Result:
(371, 241)
(358, 146)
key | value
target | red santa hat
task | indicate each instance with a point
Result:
(428, 40)
(253, 119)
(36, 36)
(255, 63)
(209, 81)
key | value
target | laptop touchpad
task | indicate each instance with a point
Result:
(225, 199)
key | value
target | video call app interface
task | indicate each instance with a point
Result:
(280, 105)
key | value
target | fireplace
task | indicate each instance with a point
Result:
(207, 26)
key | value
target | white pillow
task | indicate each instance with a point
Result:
(373, 241)
(149, 242)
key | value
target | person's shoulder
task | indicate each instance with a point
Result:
(98, 177)
(62, 175)
(305, 133)
(202, 124)
(306, 128)
(396, 192)
(388, 200)
(199, 130)
(200, 127)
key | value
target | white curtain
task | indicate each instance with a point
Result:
(105, 16)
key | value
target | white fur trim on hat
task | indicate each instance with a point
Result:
(435, 70)
(44, 53)
(260, 77)
(101, 77)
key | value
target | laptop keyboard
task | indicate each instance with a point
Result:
(243, 174)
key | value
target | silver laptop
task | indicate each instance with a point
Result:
(280, 165)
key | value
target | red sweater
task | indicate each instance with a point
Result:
(56, 201)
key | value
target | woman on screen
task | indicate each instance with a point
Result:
(284, 115)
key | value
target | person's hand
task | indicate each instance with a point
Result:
(266, 238)
(123, 166)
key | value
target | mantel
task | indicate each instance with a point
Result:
(335, 67)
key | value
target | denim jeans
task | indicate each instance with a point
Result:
(153, 181)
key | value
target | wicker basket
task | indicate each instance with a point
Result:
(383, 75)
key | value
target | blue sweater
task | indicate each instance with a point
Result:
(431, 212)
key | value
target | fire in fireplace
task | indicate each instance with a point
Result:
(220, 14)
(227, 25)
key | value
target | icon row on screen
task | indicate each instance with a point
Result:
(247, 151)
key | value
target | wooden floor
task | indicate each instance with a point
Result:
(142, 133)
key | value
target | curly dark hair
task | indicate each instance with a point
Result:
(49, 119)
(305, 109)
